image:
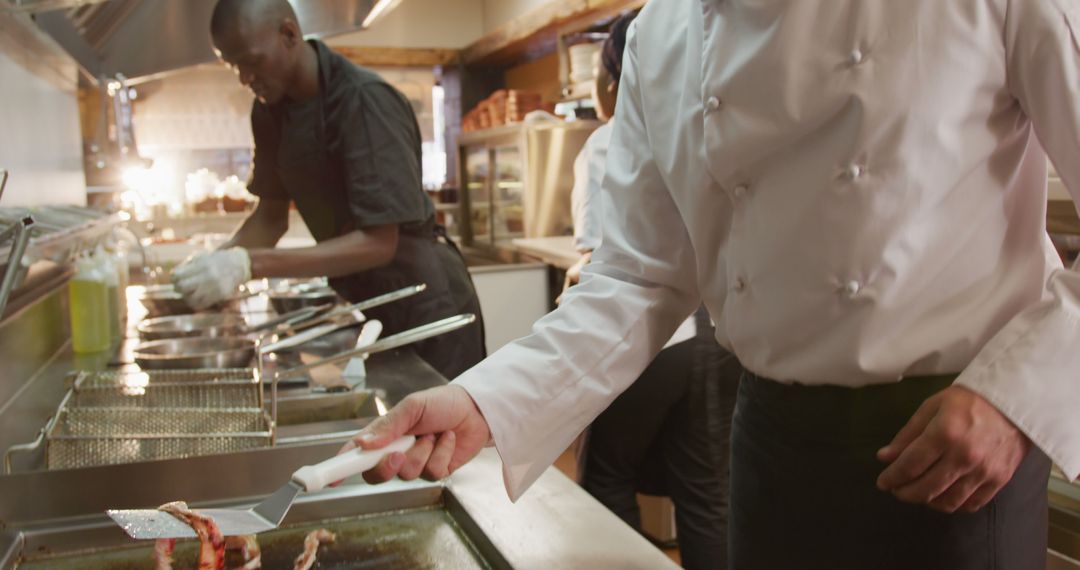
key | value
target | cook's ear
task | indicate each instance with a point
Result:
(290, 31)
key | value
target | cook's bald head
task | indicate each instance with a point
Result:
(246, 16)
(261, 41)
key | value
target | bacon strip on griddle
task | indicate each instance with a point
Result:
(211, 543)
(249, 547)
(163, 550)
(311, 546)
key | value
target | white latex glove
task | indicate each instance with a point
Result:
(208, 278)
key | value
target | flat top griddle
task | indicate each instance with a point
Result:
(404, 540)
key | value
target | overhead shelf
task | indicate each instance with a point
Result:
(536, 33)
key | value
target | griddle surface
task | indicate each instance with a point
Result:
(415, 539)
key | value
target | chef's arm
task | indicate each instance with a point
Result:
(355, 251)
(1029, 369)
(536, 394)
(964, 444)
(264, 227)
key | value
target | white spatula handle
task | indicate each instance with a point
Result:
(318, 476)
(369, 334)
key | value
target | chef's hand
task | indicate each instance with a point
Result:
(954, 454)
(573, 274)
(449, 430)
(208, 278)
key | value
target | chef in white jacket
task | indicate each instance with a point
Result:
(873, 173)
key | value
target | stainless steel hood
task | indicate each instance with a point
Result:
(145, 38)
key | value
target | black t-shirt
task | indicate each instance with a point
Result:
(349, 158)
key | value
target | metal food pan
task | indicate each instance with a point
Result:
(196, 353)
(201, 324)
(423, 526)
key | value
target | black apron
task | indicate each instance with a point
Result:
(424, 253)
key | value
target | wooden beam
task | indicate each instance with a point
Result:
(398, 57)
(535, 33)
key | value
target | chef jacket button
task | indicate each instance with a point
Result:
(741, 190)
(739, 285)
(853, 171)
(712, 104)
(852, 288)
(856, 57)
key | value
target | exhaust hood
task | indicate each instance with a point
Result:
(141, 39)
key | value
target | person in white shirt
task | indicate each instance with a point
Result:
(867, 179)
(669, 432)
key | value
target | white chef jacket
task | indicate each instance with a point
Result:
(869, 171)
(585, 205)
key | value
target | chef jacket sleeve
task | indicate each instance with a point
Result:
(381, 156)
(1030, 370)
(265, 181)
(538, 393)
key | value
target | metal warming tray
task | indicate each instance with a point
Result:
(410, 526)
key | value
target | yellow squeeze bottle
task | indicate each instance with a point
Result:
(88, 298)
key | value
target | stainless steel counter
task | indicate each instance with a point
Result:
(556, 525)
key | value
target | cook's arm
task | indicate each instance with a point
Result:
(538, 393)
(1031, 369)
(355, 251)
(264, 227)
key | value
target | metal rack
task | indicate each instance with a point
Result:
(113, 417)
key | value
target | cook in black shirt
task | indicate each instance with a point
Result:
(344, 146)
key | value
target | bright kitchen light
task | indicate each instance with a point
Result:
(134, 384)
(154, 186)
(381, 8)
(135, 176)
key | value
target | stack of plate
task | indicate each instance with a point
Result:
(581, 61)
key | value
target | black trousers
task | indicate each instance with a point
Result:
(804, 496)
(669, 433)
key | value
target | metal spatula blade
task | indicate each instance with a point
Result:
(150, 524)
(144, 524)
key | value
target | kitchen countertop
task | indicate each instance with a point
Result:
(555, 525)
(556, 251)
(544, 529)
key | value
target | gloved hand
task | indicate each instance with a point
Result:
(208, 278)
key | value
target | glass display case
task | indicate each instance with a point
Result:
(476, 171)
(517, 181)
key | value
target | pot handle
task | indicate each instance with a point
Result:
(22, 448)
